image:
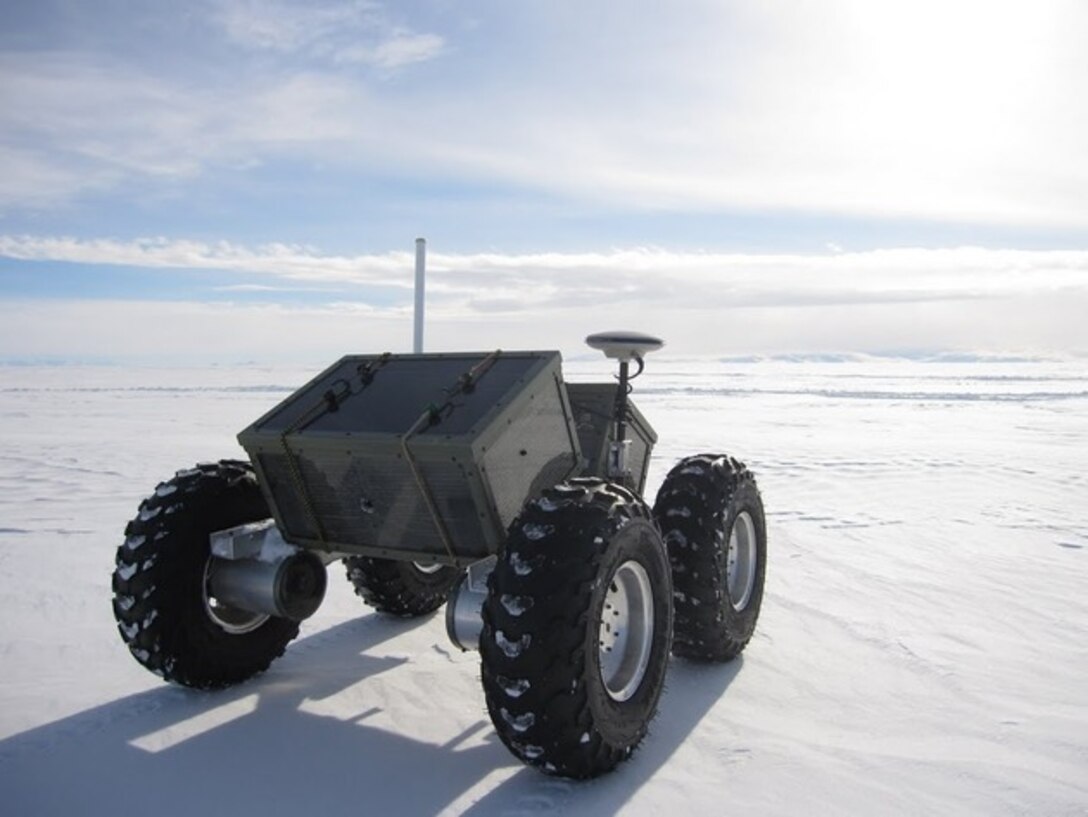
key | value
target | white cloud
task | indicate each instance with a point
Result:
(887, 275)
(73, 123)
(342, 32)
(34, 180)
(945, 111)
(276, 260)
(964, 299)
(282, 26)
(197, 332)
(401, 48)
(265, 288)
(179, 332)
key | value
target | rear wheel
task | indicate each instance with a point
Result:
(165, 611)
(711, 516)
(406, 589)
(577, 627)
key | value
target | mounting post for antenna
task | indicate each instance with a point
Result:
(624, 347)
(618, 449)
(620, 412)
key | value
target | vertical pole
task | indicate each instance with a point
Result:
(421, 267)
(620, 446)
(621, 403)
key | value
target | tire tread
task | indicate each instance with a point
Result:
(157, 572)
(534, 660)
(697, 501)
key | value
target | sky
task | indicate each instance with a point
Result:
(244, 180)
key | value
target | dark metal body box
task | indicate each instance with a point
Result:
(393, 456)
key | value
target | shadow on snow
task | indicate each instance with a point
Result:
(272, 758)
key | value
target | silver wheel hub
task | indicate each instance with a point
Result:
(428, 569)
(626, 630)
(741, 561)
(229, 619)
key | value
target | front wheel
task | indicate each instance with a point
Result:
(577, 628)
(165, 610)
(711, 516)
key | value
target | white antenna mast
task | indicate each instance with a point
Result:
(421, 269)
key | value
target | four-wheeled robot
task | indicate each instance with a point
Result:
(480, 481)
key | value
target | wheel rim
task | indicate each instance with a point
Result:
(626, 630)
(428, 569)
(231, 620)
(740, 565)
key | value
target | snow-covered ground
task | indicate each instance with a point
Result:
(923, 646)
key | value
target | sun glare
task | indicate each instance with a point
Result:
(955, 77)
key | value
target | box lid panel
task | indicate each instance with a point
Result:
(387, 395)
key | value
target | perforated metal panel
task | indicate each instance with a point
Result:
(392, 456)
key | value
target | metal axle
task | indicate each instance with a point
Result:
(464, 608)
(252, 568)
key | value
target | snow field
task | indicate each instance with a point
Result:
(923, 645)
